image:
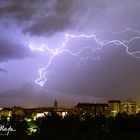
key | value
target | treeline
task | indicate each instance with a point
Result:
(71, 127)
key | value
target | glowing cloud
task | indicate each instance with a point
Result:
(100, 44)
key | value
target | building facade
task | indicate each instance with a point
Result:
(129, 107)
(115, 107)
(90, 109)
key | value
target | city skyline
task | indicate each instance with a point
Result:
(86, 51)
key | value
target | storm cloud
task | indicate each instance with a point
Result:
(11, 50)
(110, 72)
(114, 75)
(48, 17)
(40, 17)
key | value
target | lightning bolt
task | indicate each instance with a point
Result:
(100, 44)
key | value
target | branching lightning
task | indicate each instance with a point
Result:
(100, 44)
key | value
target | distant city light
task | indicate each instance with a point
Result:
(64, 114)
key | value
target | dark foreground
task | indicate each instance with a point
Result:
(122, 127)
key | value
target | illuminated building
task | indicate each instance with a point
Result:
(90, 109)
(130, 107)
(45, 111)
(41, 114)
(102, 108)
(115, 107)
(64, 114)
(6, 112)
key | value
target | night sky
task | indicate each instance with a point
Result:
(106, 73)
